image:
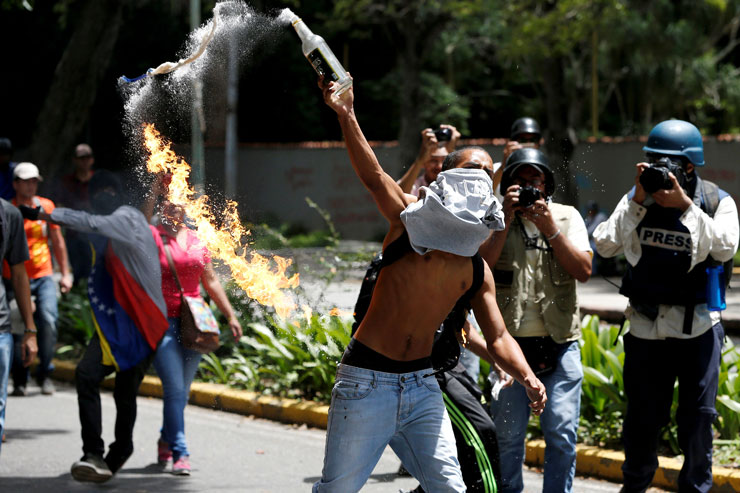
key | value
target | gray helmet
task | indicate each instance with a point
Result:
(529, 157)
(525, 125)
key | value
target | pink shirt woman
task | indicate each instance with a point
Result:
(190, 260)
(176, 366)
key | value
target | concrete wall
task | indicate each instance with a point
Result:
(274, 180)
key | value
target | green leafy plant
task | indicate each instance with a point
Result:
(294, 358)
(75, 323)
(728, 394)
(603, 403)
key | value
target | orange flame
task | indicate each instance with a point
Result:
(338, 312)
(256, 276)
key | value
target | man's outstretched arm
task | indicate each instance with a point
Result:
(387, 194)
(504, 349)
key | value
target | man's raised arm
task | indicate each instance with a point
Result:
(387, 194)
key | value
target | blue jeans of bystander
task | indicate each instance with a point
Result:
(6, 356)
(45, 317)
(559, 423)
(176, 367)
(372, 409)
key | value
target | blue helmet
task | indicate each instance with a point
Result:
(676, 138)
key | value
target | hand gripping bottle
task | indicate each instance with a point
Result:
(321, 57)
(716, 288)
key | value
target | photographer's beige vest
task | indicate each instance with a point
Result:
(555, 289)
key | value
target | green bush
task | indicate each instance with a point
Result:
(295, 358)
(728, 395)
(75, 325)
(603, 402)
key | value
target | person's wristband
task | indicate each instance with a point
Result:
(29, 331)
(557, 233)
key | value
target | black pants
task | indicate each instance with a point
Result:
(89, 375)
(475, 433)
(650, 370)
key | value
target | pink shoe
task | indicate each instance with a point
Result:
(164, 454)
(181, 467)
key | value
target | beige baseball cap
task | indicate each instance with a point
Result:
(83, 151)
(26, 171)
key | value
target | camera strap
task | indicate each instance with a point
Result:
(532, 242)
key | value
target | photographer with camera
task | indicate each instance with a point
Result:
(435, 145)
(536, 261)
(675, 231)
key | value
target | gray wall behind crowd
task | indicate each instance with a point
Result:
(274, 180)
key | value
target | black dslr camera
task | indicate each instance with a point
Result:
(528, 195)
(656, 176)
(443, 134)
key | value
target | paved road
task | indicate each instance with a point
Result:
(230, 453)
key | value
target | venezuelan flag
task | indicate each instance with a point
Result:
(128, 322)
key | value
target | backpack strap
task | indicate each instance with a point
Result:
(478, 269)
(709, 196)
(397, 249)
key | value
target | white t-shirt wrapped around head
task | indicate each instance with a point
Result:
(454, 214)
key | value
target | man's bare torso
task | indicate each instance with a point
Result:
(412, 297)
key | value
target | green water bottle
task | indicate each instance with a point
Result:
(321, 57)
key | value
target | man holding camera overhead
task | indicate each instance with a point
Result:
(435, 145)
(536, 261)
(675, 231)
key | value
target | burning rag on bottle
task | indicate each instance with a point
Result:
(454, 214)
(167, 67)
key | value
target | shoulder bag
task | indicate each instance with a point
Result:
(198, 328)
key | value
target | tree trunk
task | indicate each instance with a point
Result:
(74, 86)
(410, 72)
(559, 137)
(411, 39)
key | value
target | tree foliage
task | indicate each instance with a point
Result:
(477, 64)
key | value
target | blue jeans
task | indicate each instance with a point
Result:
(45, 317)
(6, 356)
(370, 410)
(176, 367)
(559, 423)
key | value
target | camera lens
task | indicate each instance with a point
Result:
(656, 178)
(528, 195)
(443, 134)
